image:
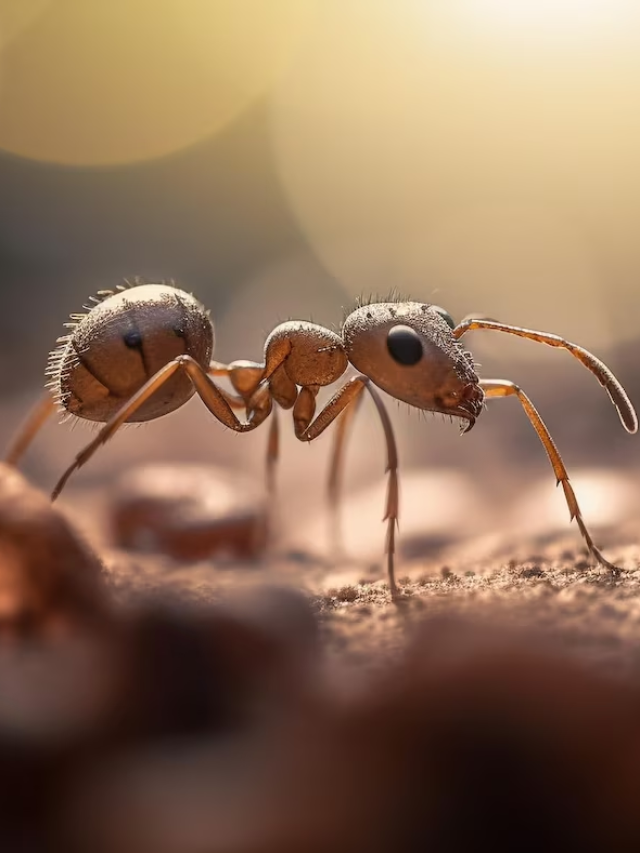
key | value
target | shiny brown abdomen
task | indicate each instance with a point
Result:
(122, 343)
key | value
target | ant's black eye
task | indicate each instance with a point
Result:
(132, 339)
(445, 316)
(404, 344)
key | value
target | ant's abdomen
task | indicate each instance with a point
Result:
(114, 349)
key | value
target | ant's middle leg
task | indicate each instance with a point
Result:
(213, 397)
(307, 428)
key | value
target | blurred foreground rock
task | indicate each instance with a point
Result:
(189, 512)
(156, 681)
(186, 732)
(49, 578)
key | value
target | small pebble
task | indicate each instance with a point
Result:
(189, 512)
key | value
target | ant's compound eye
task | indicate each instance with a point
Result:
(404, 344)
(132, 339)
(445, 316)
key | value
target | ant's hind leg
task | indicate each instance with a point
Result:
(307, 428)
(214, 399)
(28, 430)
(504, 388)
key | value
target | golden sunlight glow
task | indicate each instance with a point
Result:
(428, 157)
(577, 17)
(18, 15)
(119, 81)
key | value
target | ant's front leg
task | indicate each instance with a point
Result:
(504, 388)
(605, 377)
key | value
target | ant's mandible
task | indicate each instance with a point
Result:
(143, 350)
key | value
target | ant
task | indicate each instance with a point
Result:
(143, 350)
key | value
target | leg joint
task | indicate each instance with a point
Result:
(185, 359)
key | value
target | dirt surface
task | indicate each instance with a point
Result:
(555, 588)
(515, 558)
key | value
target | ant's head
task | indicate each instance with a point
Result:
(408, 350)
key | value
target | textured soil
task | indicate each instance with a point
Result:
(555, 587)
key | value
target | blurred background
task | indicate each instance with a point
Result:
(279, 159)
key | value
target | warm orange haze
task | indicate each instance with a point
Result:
(271, 258)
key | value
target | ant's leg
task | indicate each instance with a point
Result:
(604, 376)
(257, 398)
(334, 482)
(43, 410)
(271, 462)
(392, 509)
(259, 405)
(213, 398)
(273, 452)
(307, 429)
(36, 418)
(245, 376)
(503, 388)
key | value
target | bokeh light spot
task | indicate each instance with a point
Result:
(16, 16)
(130, 80)
(413, 125)
(532, 19)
